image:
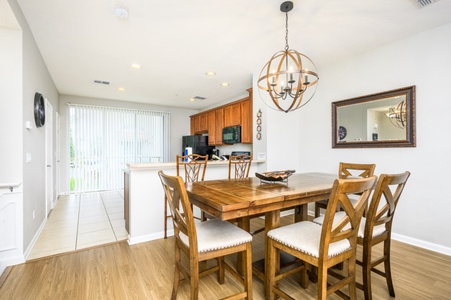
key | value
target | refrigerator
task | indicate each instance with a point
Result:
(199, 144)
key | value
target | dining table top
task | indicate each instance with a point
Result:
(234, 198)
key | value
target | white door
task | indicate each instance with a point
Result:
(48, 156)
(57, 156)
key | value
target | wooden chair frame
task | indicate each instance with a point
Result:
(194, 166)
(345, 171)
(389, 188)
(347, 228)
(241, 166)
(184, 224)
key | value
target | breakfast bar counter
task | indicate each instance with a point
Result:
(144, 197)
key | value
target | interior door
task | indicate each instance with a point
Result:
(48, 156)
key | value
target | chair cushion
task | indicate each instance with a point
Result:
(305, 237)
(377, 230)
(216, 234)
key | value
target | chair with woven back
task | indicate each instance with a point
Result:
(375, 228)
(239, 166)
(322, 246)
(347, 170)
(193, 167)
(212, 239)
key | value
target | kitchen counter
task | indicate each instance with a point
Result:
(144, 197)
(170, 165)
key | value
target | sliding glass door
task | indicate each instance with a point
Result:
(103, 140)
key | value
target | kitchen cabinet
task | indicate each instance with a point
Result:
(238, 113)
(232, 114)
(211, 128)
(219, 124)
(200, 122)
(246, 121)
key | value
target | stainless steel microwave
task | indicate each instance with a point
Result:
(231, 135)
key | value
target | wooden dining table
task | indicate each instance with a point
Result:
(240, 199)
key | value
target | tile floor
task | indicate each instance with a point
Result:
(80, 221)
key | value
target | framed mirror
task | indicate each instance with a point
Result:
(385, 119)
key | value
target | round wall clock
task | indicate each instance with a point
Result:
(39, 110)
(342, 132)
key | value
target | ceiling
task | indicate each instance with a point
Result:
(177, 42)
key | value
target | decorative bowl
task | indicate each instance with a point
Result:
(275, 175)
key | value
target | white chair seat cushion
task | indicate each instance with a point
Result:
(216, 234)
(305, 237)
(377, 230)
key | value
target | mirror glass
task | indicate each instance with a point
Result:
(385, 119)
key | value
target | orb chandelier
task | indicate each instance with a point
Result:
(398, 115)
(289, 76)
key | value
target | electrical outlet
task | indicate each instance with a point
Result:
(34, 214)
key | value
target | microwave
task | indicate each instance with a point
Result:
(231, 135)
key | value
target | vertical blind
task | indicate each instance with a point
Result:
(103, 140)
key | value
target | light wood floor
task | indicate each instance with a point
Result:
(145, 271)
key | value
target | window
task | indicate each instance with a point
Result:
(103, 140)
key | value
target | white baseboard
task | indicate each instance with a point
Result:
(35, 238)
(148, 237)
(415, 242)
(422, 244)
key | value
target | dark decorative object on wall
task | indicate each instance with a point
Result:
(39, 110)
(342, 132)
(259, 125)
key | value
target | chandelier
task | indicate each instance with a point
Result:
(397, 115)
(289, 75)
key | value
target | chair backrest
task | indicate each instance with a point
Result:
(239, 166)
(346, 170)
(194, 166)
(348, 226)
(389, 187)
(181, 212)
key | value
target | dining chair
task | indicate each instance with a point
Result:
(212, 239)
(193, 167)
(347, 170)
(375, 228)
(239, 166)
(322, 246)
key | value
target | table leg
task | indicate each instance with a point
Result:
(272, 220)
(300, 213)
(245, 224)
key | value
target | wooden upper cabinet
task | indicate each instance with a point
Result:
(192, 124)
(232, 114)
(219, 124)
(246, 121)
(211, 128)
(200, 123)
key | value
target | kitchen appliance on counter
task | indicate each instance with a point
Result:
(199, 144)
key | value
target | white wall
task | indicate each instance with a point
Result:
(302, 139)
(180, 126)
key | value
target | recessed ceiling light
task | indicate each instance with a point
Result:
(192, 99)
(121, 12)
(135, 66)
(210, 73)
(224, 84)
(121, 89)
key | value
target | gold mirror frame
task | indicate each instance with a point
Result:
(406, 94)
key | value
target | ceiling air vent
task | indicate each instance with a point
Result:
(101, 82)
(199, 98)
(424, 3)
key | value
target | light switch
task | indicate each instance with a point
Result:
(28, 157)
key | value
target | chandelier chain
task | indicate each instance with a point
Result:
(286, 32)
